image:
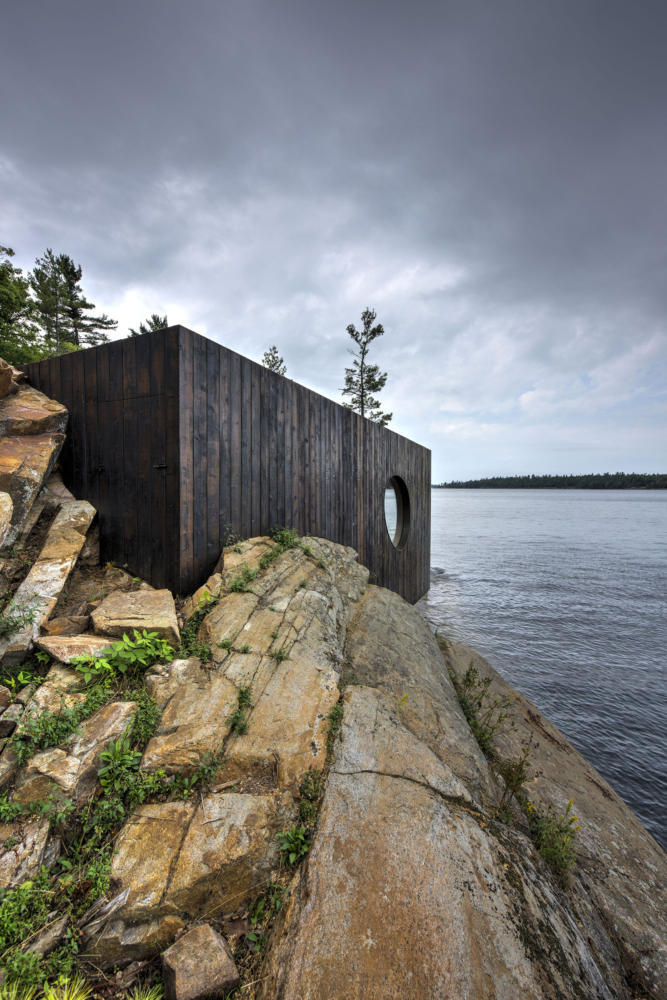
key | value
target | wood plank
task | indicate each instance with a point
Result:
(246, 449)
(213, 451)
(236, 405)
(266, 453)
(92, 479)
(145, 417)
(170, 557)
(225, 481)
(200, 459)
(255, 446)
(186, 457)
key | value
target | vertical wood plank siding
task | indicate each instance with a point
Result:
(179, 442)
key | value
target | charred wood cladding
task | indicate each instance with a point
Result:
(181, 443)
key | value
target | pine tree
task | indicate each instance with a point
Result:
(273, 361)
(48, 286)
(153, 323)
(19, 333)
(363, 379)
(62, 308)
(84, 330)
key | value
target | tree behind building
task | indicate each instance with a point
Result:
(363, 379)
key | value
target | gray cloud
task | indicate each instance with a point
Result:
(489, 177)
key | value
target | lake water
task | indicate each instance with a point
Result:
(565, 593)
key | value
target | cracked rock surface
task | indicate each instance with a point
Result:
(412, 888)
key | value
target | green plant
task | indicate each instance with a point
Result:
(484, 719)
(245, 696)
(310, 791)
(146, 993)
(119, 764)
(294, 844)
(554, 837)
(274, 634)
(226, 643)
(279, 654)
(17, 681)
(23, 911)
(9, 810)
(240, 584)
(125, 657)
(14, 991)
(238, 720)
(146, 717)
(514, 773)
(19, 616)
(191, 645)
(38, 732)
(286, 538)
(67, 989)
(303, 585)
(245, 648)
(335, 718)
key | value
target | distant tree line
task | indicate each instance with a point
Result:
(594, 481)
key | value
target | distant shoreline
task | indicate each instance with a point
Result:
(594, 481)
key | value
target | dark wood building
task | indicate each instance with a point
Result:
(179, 442)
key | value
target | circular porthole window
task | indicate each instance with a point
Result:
(397, 511)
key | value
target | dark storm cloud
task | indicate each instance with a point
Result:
(488, 176)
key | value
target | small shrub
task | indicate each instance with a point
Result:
(130, 657)
(190, 644)
(20, 616)
(279, 654)
(245, 695)
(294, 844)
(238, 720)
(146, 993)
(245, 648)
(39, 732)
(286, 538)
(514, 773)
(68, 989)
(335, 718)
(119, 765)
(310, 790)
(146, 718)
(226, 643)
(554, 837)
(484, 719)
(240, 584)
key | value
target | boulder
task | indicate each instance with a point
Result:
(57, 690)
(6, 512)
(22, 846)
(5, 697)
(67, 625)
(194, 722)
(29, 411)
(25, 462)
(9, 719)
(621, 871)
(65, 647)
(40, 590)
(153, 610)
(6, 379)
(406, 883)
(181, 861)
(198, 965)
(73, 773)
(228, 850)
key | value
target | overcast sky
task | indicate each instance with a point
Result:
(490, 177)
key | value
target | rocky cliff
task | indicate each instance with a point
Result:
(273, 787)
